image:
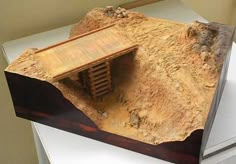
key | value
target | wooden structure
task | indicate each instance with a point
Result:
(88, 55)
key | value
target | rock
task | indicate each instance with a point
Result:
(109, 8)
(122, 9)
(134, 120)
(119, 16)
(205, 41)
(206, 66)
(204, 48)
(205, 38)
(175, 68)
(121, 13)
(196, 47)
(104, 114)
(204, 33)
(118, 12)
(125, 14)
(204, 56)
(177, 85)
(143, 113)
(218, 52)
(191, 32)
(109, 11)
(210, 85)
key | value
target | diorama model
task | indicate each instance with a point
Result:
(141, 83)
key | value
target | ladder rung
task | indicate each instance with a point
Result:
(94, 86)
(100, 80)
(99, 76)
(102, 88)
(99, 72)
(104, 76)
(101, 85)
(97, 68)
(101, 93)
(105, 63)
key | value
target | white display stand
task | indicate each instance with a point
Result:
(60, 147)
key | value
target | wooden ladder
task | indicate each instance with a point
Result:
(100, 79)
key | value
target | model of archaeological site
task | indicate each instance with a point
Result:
(141, 83)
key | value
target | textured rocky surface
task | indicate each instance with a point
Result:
(163, 92)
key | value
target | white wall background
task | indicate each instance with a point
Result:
(19, 18)
(214, 10)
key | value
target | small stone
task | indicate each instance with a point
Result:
(143, 113)
(105, 10)
(210, 85)
(109, 8)
(196, 47)
(134, 120)
(104, 114)
(218, 52)
(123, 10)
(145, 134)
(204, 33)
(119, 16)
(204, 56)
(118, 12)
(176, 68)
(125, 14)
(191, 32)
(177, 85)
(204, 48)
(206, 66)
(205, 41)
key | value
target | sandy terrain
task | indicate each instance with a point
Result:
(162, 93)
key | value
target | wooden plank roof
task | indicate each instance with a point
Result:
(81, 52)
